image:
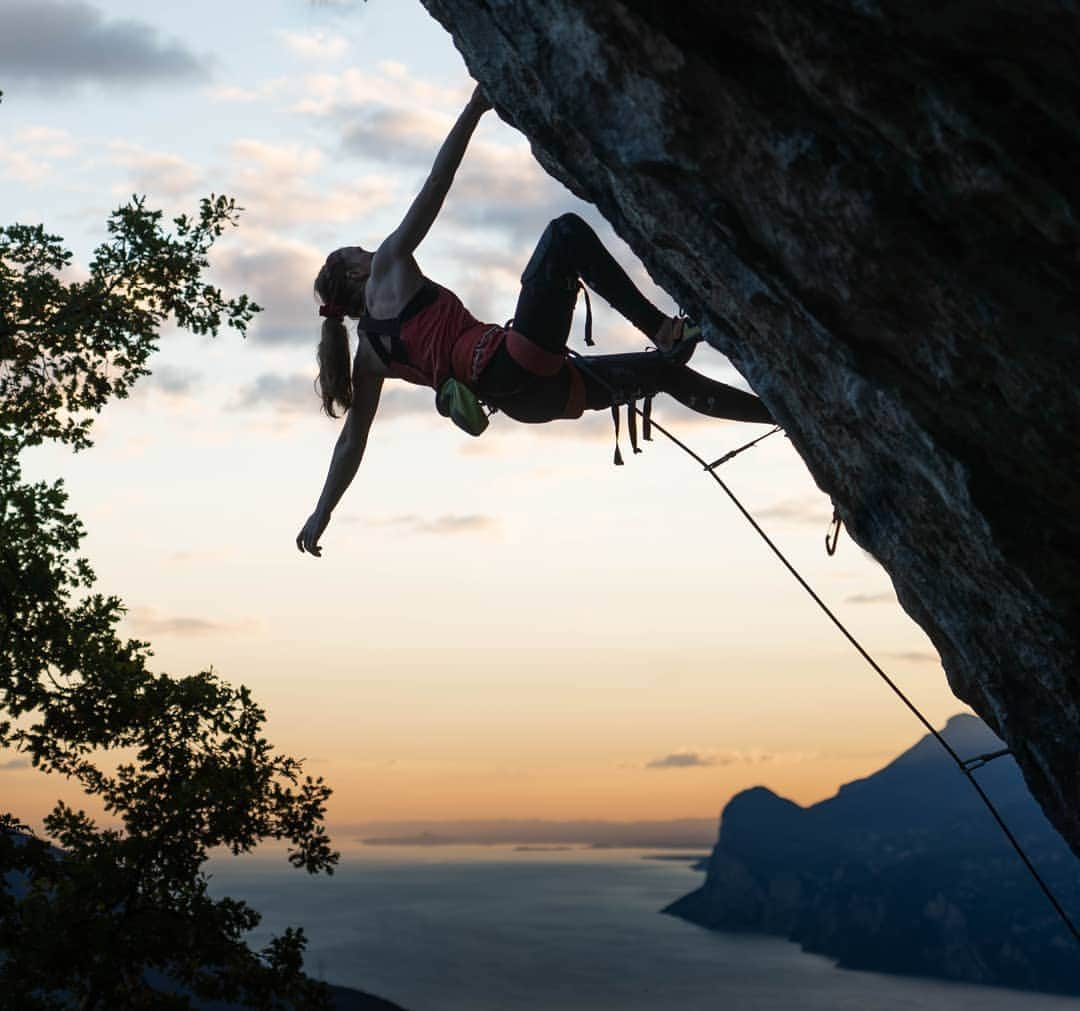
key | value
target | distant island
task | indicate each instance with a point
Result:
(683, 833)
(902, 872)
(700, 863)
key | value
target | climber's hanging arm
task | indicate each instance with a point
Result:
(348, 452)
(402, 242)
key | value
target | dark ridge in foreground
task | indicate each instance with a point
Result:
(872, 207)
(901, 872)
(356, 1000)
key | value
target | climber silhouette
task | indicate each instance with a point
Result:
(413, 329)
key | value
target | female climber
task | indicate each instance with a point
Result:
(411, 328)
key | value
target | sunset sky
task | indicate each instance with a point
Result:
(501, 627)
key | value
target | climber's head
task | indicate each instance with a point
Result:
(341, 281)
(339, 286)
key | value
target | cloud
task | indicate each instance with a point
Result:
(808, 511)
(687, 759)
(13, 764)
(394, 134)
(278, 274)
(395, 119)
(263, 90)
(170, 386)
(338, 4)
(503, 187)
(48, 141)
(215, 554)
(681, 760)
(335, 96)
(57, 43)
(871, 598)
(22, 166)
(273, 183)
(446, 524)
(276, 188)
(279, 186)
(916, 656)
(149, 622)
(317, 46)
(289, 394)
(174, 380)
(407, 402)
(294, 393)
(25, 158)
(157, 173)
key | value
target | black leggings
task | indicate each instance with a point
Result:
(568, 253)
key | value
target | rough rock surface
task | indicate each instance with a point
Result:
(873, 207)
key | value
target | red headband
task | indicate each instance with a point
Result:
(333, 310)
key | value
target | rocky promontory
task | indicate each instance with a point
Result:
(901, 872)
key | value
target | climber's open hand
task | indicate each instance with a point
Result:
(308, 538)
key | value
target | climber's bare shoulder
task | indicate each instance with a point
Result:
(393, 282)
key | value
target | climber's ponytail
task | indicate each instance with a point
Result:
(334, 384)
(335, 371)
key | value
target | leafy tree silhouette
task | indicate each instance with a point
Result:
(118, 915)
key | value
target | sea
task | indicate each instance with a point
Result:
(501, 928)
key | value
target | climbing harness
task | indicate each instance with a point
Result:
(453, 399)
(632, 412)
(966, 767)
(588, 315)
(395, 353)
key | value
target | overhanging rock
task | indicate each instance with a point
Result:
(873, 207)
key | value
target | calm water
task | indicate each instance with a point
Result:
(484, 928)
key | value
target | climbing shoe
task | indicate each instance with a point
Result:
(677, 339)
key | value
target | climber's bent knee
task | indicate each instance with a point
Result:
(552, 260)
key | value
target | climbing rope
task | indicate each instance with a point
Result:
(966, 768)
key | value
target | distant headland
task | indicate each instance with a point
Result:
(901, 872)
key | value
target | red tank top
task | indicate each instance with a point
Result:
(442, 340)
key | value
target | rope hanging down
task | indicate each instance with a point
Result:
(966, 768)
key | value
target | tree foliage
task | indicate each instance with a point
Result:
(68, 346)
(118, 915)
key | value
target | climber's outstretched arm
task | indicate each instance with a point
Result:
(402, 242)
(348, 452)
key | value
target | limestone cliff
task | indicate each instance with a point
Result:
(873, 207)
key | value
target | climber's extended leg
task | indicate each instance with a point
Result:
(597, 382)
(529, 377)
(713, 398)
(618, 379)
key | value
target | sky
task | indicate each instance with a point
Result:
(501, 627)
